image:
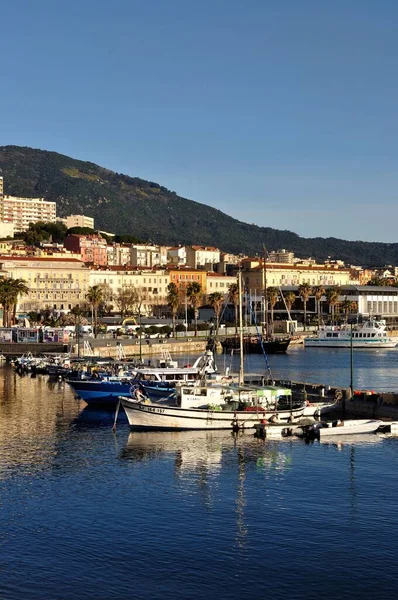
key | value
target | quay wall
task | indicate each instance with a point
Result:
(132, 349)
(10, 349)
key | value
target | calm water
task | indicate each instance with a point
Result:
(87, 514)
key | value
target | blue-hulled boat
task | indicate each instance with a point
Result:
(104, 391)
(156, 382)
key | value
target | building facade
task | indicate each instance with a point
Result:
(202, 257)
(22, 211)
(55, 283)
(92, 248)
(78, 221)
(150, 284)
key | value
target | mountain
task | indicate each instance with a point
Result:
(123, 204)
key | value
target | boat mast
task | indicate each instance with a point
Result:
(264, 285)
(241, 377)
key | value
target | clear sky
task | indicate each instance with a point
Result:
(281, 113)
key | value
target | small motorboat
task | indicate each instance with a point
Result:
(340, 427)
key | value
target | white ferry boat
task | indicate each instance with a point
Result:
(369, 334)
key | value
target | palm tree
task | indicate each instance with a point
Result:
(173, 300)
(194, 295)
(272, 295)
(305, 292)
(318, 292)
(10, 290)
(216, 300)
(347, 306)
(290, 299)
(233, 296)
(332, 296)
(94, 296)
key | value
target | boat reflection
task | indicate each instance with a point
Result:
(194, 450)
(341, 441)
(92, 416)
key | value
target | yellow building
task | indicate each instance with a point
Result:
(278, 274)
(150, 284)
(53, 282)
(219, 283)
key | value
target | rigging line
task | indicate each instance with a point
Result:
(260, 337)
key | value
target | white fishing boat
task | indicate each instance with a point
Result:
(369, 334)
(338, 427)
(213, 407)
(322, 407)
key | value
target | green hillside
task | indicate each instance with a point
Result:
(123, 204)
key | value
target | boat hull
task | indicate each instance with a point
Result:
(355, 427)
(141, 416)
(316, 343)
(253, 345)
(100, 392)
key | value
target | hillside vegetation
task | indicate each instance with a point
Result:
(148, 211)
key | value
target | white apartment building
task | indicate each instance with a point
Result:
(7, 230)
(22, 211)
(202, 256)
(78, 221)
(281, 256)
(177, 256)
(148, 255)
(118, 254)
(1, 186)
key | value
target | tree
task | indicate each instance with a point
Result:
(94, 297)
(290, 299)
(216, 300)
(347, 306)
(173, 301)
(125, 300)
(332, 296)
(318, 292)
(10, 290)
(233, 296)
(194, 294)
(272, 296)
(305, 292)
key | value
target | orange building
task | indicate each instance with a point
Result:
(184, 276)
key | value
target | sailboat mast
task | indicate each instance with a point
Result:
(241, 378)
(264, 284)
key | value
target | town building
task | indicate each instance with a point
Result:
(118, 254)
(281, 256)
(202, 257)
(1, 187)
(150, 284)
(92, 248)
(219, 283)
(184, 276)
(78, 221)
(278, 274)
(176, 255)
(23, 211)
(7, 230)
(148, 255)
(56, 283)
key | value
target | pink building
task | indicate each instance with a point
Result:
(92, 248)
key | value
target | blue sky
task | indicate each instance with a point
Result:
(281, 113)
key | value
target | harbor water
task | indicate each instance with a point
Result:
(87, 513)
